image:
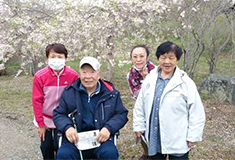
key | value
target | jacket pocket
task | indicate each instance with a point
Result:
(107, 111)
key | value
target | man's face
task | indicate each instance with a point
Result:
(89, 77)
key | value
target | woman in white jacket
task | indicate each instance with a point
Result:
(168, 111)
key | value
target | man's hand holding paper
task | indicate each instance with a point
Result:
(88, 140)
(72, 135)
(103, 135)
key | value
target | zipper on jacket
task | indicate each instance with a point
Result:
(103, 99)
(102, 109)
(89, 98)
(90, 95)
(58, 87)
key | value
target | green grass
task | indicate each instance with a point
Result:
(15, 95)
(213, 138)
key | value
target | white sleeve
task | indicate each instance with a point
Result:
(139, 122)
(196, 115)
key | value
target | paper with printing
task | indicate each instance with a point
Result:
(88, 140)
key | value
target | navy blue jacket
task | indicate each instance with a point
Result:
(109, 111)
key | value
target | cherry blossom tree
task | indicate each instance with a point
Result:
(117, 23)
(23, 33)
(107, 29)
(86, 29)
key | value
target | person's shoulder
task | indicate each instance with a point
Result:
(67, 88)
(131, 69)
(129, 73)
(108, 85)
(70, 70)
(72, 86)
(68, 92)
(149, 77)
(183, 74)
(42, 72)
(151, 64)
(185, 77)
(153, 71)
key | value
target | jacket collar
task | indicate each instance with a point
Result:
(175, 80)
(104, 86)
(53, 73)
(97, 90)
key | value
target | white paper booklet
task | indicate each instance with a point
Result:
(88, 140)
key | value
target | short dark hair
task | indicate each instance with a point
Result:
(167, 47)
(140, 46)
(56, 47)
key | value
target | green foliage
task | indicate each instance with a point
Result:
(115, 5)
(73, 64)
(226, 64)
(229, 46)
(12, 67)
(204, 96)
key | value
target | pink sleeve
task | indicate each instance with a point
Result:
(38, 100)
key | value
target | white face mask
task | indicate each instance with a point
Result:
(56, 63)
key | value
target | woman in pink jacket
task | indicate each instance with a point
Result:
(48, 85)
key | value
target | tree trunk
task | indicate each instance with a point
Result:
(110, 57)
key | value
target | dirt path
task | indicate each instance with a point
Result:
(18, 138)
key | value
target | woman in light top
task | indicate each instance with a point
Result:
(169, 110)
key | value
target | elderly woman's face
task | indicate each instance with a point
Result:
(168, 62)
(139, 57)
